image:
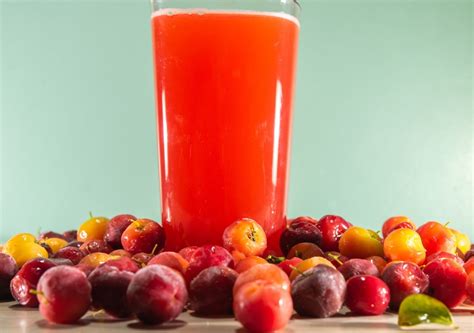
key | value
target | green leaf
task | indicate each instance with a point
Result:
(274, 260)
(422, 309)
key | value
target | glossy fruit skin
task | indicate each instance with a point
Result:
(210, 292)
(143, 235)
(64, 294)
(93, 228)
(393, 223)
(318, 293)
(404, 279)
(267, 272)
(354, 267)
(207, 256)
(463, 242)
(447, 281)
(85, 268)
(367, 295)
(358, 242)
(23, 247)
(95, 259)
(404, 245)
(308, 264)
(437, 238)
(95, 245)
(50, 234)
(123, 264)
(120, 253)
(445, 255)
(245, 236)
(379, 262)
(300, 230)
(72, 253)
(70, 235)
(109, 290)
(305, 251)
(8, 269)
(172, 260)
(332, 227)
(248, 263)
(115, 229)
(469, 266)
(54, 243)
(470, 286)
(27, 279)
(187, 252)
(157, 294)
(261, 306)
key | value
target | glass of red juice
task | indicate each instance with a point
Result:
(225, 79)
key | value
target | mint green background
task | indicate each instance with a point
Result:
(383, 122)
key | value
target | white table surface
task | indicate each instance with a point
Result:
(17, 319)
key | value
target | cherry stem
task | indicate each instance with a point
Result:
(90, 215)
(137, 225)
(154, 249)
(299, 271)
(38, 293)
(335, 257)
(447, 223)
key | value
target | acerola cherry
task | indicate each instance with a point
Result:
(301, 229)
(207, 256)
(404, 279)
(305, 251)
(157, 294)
(115, 229)
(8, 270)
(143, 235)
(332, 227)
(64, 294)
(210, 292)
(267, 272)
(447, 281)
(396, 222)
(109, 289)
(27, 279)
(404, 245)
(357, 242)
(262, 306)
(356, 266)
(72, 253)
(170, 259)
(93, 228)
(248, 263)
(319, 292)
(367, 295)
(436, 237)
(245, 236)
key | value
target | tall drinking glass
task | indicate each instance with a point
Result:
(225, 77)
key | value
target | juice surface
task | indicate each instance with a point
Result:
(224, 89)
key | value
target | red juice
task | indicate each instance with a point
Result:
(224, 90)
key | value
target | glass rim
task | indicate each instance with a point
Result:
(156, 4)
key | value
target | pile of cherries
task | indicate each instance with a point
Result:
(118, 266)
